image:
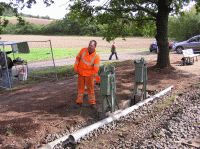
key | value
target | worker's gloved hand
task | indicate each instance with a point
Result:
(97, 83)
(97, 80)
(75, 70)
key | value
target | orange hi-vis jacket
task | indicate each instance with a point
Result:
(87, 64)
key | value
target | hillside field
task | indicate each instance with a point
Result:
(37, 21)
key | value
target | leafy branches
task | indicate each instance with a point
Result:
(14, 5)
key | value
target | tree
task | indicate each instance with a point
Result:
(3, 8)
(14, 5)
(185, 26)
(118, 13)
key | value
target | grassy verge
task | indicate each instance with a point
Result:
(43, 54)
(9, 18)
(63, 72)
(47, 74)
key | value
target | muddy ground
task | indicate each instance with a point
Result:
(30, 113)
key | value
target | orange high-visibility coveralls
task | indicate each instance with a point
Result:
(87, 66)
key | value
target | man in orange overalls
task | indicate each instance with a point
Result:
(87, 66)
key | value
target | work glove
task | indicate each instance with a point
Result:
(97, 83)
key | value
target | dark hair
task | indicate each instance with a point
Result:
(94, 42)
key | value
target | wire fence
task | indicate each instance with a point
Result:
(31, 60)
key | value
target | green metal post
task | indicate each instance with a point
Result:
(140, 79)
(108, 89)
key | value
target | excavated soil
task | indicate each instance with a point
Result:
(30, 113)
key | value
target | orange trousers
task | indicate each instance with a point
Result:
(88, 82)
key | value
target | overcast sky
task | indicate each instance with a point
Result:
(56, 11)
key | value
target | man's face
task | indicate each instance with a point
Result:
(91, 47)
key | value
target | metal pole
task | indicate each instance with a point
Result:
(112, 94)
(145, 81)
(53, 59)
(7, 71)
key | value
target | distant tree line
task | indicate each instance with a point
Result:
(71, 26)
(180, 27)
(8, 12)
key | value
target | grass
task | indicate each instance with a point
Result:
(68, 47)
(9, 130)
(9, 18)
(197, 85)
(62, 71)
(197, 124)
(46, 74)
(50, 73)
(167, 102)
(43, 54)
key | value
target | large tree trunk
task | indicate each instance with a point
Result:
(163, 60)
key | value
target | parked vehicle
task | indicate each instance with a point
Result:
(154, 47)
(192, 43)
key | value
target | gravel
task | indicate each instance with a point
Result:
(172, 121)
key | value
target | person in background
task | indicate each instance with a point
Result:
(113, 51)
(87, 66)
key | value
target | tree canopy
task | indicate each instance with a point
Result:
(184, 26)
(14, 6)
(117, 14)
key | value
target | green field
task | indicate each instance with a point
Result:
(68, 46)
(42, 54)
(9, 18)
